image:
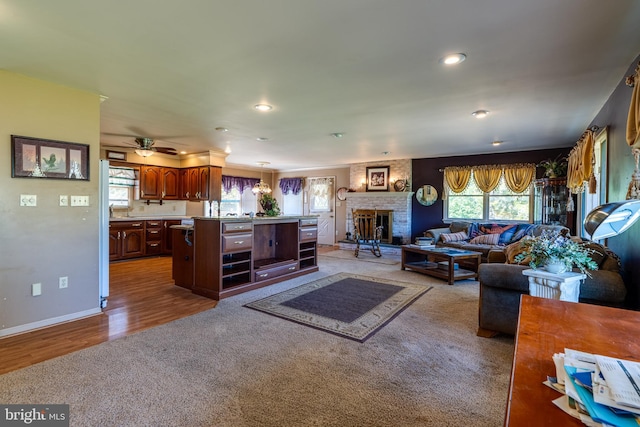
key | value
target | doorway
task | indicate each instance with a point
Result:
(322, 203)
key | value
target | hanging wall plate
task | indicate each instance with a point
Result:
(341, 193)
(400, 185)
(427, 195)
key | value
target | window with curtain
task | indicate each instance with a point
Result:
(489, 193)
(121, 182)
(237, 197)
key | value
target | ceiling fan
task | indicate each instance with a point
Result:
(145, 147)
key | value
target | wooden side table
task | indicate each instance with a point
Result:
(563, 286)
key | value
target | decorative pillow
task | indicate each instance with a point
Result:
(521, 231)
(598, 253)
(453, 237)
(486, 239)
(506, 232)
(458, 226)
(513, 250)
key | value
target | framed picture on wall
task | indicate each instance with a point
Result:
(378, 178)
(44, 158)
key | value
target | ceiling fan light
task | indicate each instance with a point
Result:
(143, 153)
(453, 59)
(480, 114)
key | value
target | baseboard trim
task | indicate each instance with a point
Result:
(29, 327)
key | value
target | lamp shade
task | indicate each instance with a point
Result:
(612, 219)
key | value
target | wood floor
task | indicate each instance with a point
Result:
(142, 295)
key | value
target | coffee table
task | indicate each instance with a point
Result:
(425, 260)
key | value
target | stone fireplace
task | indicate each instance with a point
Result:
(393, 207)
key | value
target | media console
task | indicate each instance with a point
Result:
(237, 255)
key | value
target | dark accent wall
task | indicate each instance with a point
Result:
(427, 171)
(620, 164)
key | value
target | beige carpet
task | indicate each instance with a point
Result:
(231, 366)
(365, 255)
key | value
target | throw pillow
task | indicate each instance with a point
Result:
(458, 226)
(521, 231)
(486, 239)
(453, 237)
(598, 253)
(513, 250)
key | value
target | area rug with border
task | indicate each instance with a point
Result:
(349, 305)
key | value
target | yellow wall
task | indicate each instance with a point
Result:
(42, 243)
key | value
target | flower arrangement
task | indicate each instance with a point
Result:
(552, 246)
(269, 205)
(555, 168)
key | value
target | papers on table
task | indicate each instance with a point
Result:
(599, 390)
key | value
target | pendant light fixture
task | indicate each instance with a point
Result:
(261, 187)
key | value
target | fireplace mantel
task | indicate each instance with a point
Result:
(406, 194)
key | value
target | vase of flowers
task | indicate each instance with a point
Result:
(556, 253)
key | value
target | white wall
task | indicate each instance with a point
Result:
(42, 243)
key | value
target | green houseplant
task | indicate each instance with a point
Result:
(555, 168)
(269, 205)
(552, 247)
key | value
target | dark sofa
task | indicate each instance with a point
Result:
(502, 284)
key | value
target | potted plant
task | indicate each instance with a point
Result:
(269, 205)
(554, 168)
(556, 253)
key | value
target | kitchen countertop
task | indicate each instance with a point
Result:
(255, 218)
(150, 217)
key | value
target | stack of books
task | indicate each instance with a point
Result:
(424, 241)
(597, 390)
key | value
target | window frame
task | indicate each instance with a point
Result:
(486, 206)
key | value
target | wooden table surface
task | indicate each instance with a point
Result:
(549, 326)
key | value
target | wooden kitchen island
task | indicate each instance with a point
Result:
(235, 255)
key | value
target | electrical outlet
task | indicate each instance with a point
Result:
(36, 289)
(79, 200)
(64, 200)
(63, 282)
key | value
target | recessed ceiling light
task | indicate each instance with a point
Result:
(183, 152)
(337, 134)
(228, 149)
(453, 59)
(480, 114)
(262, 138)
(221, 129)
(385, 153)
(496, 143)
(263, 107)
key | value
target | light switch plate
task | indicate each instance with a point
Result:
(28, 200)
(64, 200)
(36, 289)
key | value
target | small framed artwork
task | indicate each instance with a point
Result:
(378, 178)
(44, 158)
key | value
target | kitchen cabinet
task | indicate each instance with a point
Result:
(167, 235)
(158, 183)
(126, 240)
(153, 237)
(201, 183)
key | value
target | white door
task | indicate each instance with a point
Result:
(322, 203)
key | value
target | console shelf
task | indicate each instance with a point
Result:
(232, 256)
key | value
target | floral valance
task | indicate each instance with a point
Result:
(291, 184)
(518, 177)
(581, 160)
(230, 182)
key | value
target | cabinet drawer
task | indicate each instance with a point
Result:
(235, 227)
(154, 224)
(280, 269)
(236, 242)
(154, 234)
(308, 233)
(153, 248)
(308, 221)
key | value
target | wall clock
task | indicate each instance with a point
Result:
(341, 194)
(426, 195)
